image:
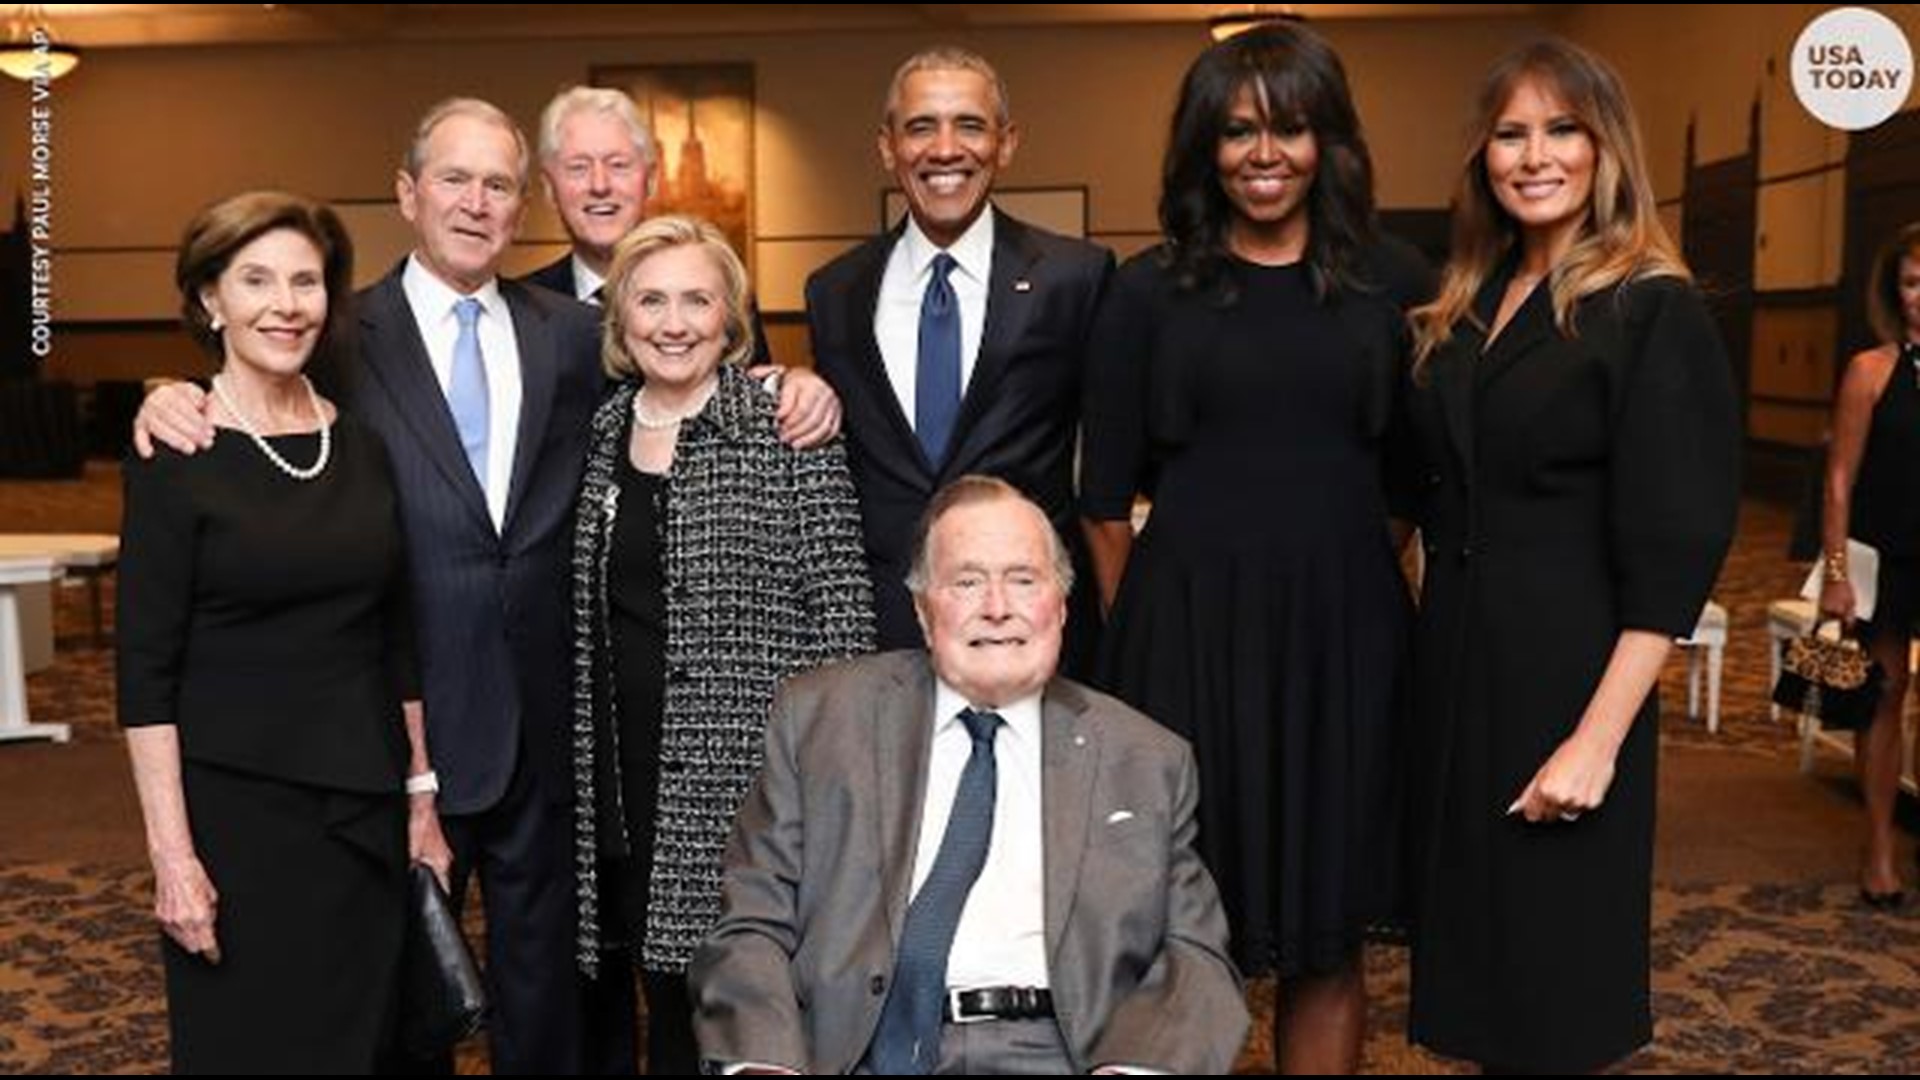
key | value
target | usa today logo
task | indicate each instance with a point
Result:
(1852, 68)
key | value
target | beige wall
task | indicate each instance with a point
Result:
(1711, 63)
(145, 136)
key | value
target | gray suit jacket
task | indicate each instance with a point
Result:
(821, 862)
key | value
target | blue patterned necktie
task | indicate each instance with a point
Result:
(936, 392)
(907, 1040)
(467, 388)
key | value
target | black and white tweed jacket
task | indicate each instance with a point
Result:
(766, 578)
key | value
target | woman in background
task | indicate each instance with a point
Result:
(1873, 495)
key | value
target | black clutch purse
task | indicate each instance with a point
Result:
(1831, 679)
(442, 997)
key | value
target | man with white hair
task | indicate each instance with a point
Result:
(600, 166)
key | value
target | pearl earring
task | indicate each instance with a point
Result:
(216, 325)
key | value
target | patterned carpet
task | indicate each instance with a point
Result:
(1789, 976)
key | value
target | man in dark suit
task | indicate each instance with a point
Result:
(929, 396)
(954, 835)
(487, 528)
(599, 167)
(482, 391)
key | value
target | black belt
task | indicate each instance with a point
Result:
(998, 1003)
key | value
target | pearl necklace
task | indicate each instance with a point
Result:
(663, 423)
(253, 432)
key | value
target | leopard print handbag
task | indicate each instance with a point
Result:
(1829, 678)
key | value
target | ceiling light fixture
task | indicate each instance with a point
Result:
(31, 52)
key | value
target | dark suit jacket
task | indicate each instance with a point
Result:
(491, 607)
(821, 863)
(1018, 421)
(558, 276)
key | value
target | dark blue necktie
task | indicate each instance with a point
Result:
(907, 1041)
(936, 392)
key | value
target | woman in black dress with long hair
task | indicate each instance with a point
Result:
(1577, 415)
(1242, 375)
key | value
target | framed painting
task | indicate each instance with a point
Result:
(701, 116)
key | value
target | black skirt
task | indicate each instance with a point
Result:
(311, 922)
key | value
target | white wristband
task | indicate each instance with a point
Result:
(426, 783)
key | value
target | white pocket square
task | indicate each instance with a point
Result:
(1119, 816)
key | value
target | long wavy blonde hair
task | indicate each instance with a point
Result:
(1622, 238)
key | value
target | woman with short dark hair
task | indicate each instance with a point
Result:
(264, 658)
(1873, 495)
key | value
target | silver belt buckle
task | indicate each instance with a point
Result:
(956, 1016)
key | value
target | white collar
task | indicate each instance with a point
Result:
(973, 250)
(1022, 716)
(586, 281)
(433, 299)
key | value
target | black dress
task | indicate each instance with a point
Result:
(1886, 498)
(637, 619)
(266, 618)
(1578, 487)
(1262, 614)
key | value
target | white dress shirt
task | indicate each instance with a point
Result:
(432, 301)
(586, 282)
(896, 318)
(1002, 938)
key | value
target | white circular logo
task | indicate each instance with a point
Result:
(1852, 68)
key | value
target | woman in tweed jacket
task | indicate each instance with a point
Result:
(710, 562)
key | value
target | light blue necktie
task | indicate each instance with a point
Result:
(936, 392)
(467, 388)
(907, 1040)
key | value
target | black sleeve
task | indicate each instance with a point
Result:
(1113, 449)
(402, 640)
(1402, 272)
(401, 652)
(153, 611)
(1409, 281)
(403, 657)
(1675, 470)
(1403, 464)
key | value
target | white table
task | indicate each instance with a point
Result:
(14, 725)
(89, 556)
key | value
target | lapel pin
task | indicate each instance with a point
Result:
(1022, 285)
